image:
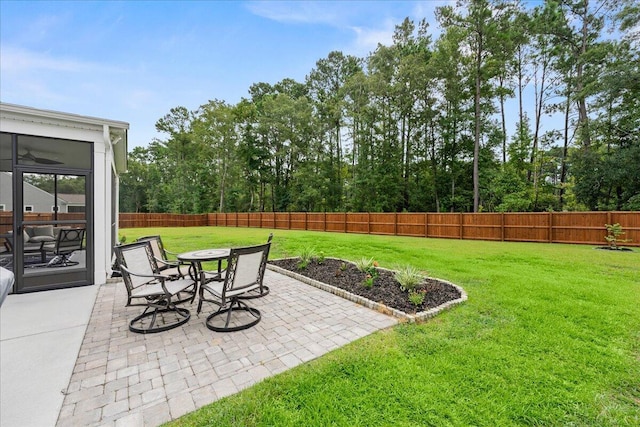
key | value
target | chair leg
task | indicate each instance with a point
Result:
(235, 306)
(61, 261)
(256, 293)
(187, 295)
(150, 315)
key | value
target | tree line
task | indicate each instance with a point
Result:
(422, 124)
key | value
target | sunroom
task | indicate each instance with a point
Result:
(58, 196)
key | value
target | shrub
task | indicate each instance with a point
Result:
(368, 281)
(306, 256)
(614, 231)
(416, 297)
(408, 277)
(364, 264)
(368, 265)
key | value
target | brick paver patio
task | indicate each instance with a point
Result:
(127, 379)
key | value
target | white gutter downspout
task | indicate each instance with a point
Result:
(113, 194)
(107, 197)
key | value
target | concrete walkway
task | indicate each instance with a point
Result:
(40, 337)
(126, 379)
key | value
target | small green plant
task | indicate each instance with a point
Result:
(343, 266)
(368, 281)
(306, 256)
(614, 231)
(122, 239)
(364, 264)
(320, 258)
(417, 297)
(367, 265)
(408, 277)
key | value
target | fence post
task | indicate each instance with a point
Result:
(502, 226)
(426, 224)
(550, 219)
(289, 220)
(368, 222)
(395, 223)
(306, 227)
(324, 222)
(345, 222)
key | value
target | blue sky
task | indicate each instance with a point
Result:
(135, 60)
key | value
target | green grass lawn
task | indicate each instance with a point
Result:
(550, 335)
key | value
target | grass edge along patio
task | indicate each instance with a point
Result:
(548, 336)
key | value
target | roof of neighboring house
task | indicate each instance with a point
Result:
(75, 199)
(5, 194)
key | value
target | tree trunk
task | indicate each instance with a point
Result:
(565, 150)
(504, 122)
(477, 116)
(583, 118)
(520, 87)
(434, 166)
(536, 132)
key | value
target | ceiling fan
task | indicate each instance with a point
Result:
(28, 157)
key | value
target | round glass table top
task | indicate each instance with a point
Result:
(204, 255)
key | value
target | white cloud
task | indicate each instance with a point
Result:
(367, 39)
(381, 18)
(296, 11)
(17, 60)
(32, 93)
(21, 60)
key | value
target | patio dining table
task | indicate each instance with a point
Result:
(196, 258)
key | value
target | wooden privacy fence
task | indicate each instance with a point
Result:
(547, 227)
(6, 219)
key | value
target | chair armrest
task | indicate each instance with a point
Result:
(211, 275)
(151, 276)
(168, 262)
(175, 255)
(159, 278)
(169, 252)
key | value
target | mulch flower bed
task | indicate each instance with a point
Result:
(385, 290)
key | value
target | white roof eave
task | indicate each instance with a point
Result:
(60, 116)
(117, 128)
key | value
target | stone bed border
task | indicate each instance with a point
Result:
(409, 318)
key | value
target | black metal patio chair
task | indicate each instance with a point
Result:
(262, 290)
(67, 242)
(148, 288)
(244, 273)
(167, 267)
